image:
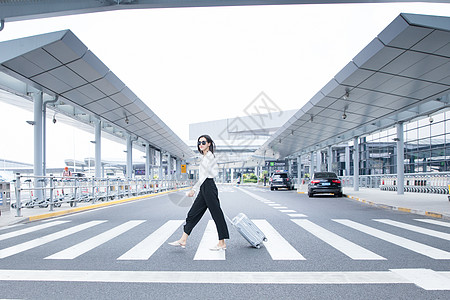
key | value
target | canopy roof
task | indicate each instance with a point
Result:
(402, 74)
(58, 63)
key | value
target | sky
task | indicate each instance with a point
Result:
(192, 65)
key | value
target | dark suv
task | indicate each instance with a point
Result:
(325, 182)
(281, 180)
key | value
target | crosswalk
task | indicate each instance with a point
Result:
(277, 246)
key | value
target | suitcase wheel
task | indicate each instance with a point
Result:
(258, 246)
(265, 239)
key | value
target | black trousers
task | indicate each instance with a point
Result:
(207, 198)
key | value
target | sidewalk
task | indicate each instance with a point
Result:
(433, 205)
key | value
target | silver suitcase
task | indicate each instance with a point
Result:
(249, 230)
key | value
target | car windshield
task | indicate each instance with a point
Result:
(280, 175)
(325, 175)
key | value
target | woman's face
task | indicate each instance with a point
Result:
(203, 144)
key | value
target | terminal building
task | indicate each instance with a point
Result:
(385, 113)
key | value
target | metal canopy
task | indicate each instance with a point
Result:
(58, 63)
(402, 74)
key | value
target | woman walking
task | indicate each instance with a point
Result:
(207, 197)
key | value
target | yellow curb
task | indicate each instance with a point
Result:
(404, 209)
(432, 214)
(93, 206)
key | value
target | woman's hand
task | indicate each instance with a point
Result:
(190, 193)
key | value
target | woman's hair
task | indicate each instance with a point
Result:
(212, 147)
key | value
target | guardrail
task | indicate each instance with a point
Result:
(53, 191)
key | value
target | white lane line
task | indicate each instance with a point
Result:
(434, 222)
(398, 276)
(397, 240)
(209, 240)
(438, 234)
(29, 229)
(149, 245)
(276, 245)
(288, 210)
(94, 242)
(281, 207)
(297, 215)
(46, 239)
(425, 278)
(348, 248)
(257, 197)
(275, 204)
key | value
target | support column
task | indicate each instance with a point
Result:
(330, 159)
(98, 148)
(37, 167)
(129, 157)
(347, 161)
(299, 169)
(355, 164)
(311, 172)
(147, 162)
(160, 175)
(400, 160)
(319, 161)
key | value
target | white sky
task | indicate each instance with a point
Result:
(193, 65)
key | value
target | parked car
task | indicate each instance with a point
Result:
(325, 183)
(281, 180)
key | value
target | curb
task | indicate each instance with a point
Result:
(402, 209)
(90, 207)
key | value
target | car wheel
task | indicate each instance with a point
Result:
(271, 188)
(310, 195)
(340, 194)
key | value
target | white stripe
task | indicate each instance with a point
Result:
(297, 215)
(11, 226)
(89, 244)
(425, 278)
(276, 245)
(434, 222)
(438, 234)
(209, 240)
(30, 229)
(348, 248)
(46, 239)
(281, 207)
(288, 210)
(149, 245)
(399, 241)
(405, 276)
(256, 196)
(275, 204)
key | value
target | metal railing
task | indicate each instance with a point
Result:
(53, 191)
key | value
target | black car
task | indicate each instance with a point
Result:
(281, 180)
(325, 183)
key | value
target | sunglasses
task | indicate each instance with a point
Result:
(201, 143)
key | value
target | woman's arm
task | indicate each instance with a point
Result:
(208, 168)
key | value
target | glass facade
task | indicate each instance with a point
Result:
(426, 148)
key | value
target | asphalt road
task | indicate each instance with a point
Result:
(321, 247)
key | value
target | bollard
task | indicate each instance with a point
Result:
(18, 203)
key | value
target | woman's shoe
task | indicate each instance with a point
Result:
(177, 244)
(217, 248)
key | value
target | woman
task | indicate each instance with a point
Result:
(207, 197)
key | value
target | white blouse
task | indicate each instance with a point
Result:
(208, 169)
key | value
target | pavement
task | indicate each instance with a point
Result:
(432, 205)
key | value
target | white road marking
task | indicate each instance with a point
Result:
(297, 215)
(275, 204)
(89, 244)
(397, 240)
(29, 229)
(425, 278)
(149, 245)
(397, 276)
(434, 222)
(438, 234)
(276, 245)
(288, 210)
(209, 240)
(281, 207)
(348, 248)
(46, 239)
